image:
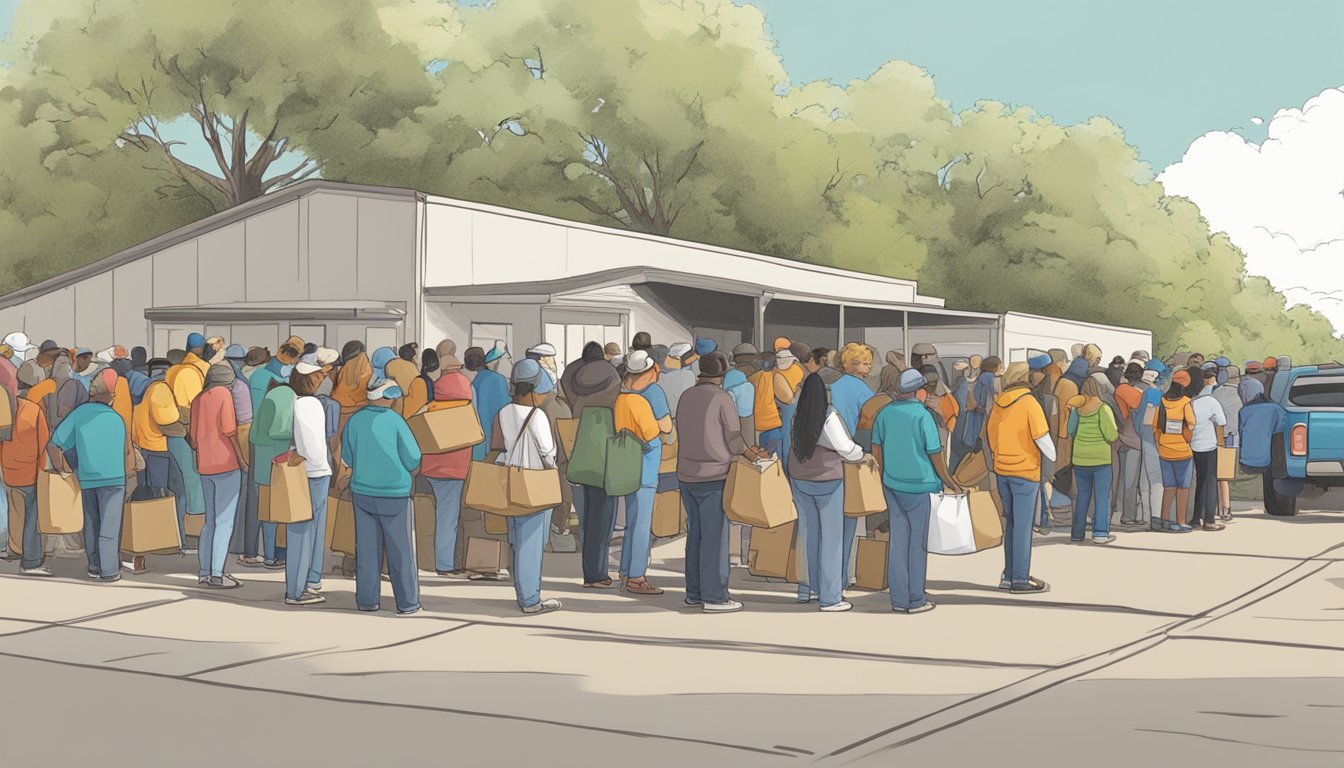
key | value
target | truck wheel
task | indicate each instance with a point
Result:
(1276, 504)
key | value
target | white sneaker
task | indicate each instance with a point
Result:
(843, 605)
(545, 606)
(40, 570)
(729, 607)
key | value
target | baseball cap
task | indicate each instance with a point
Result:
(527, 372)
(638, 362)
(543, 350)
(745, 349)
(1039, 362)
(195, 340)
(235, 352)
(705, 346)
(547, 383)
(49, 346)
(19, 342)
(910, 381)
(1209, 367)
(257, 356)
(115, 352)
(1223, 362)
(497, 352)
(82, 351)
(679, 350)
(782, 343)
(1181, 377)
(383, 389)
(295, 343)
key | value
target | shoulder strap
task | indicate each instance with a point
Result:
(523, 429)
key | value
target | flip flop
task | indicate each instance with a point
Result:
(641, 587)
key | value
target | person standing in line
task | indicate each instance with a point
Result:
(271, 436)
(1130, 458)
(523, 438)
(379, 360)
(789, 375)
(96, 434)
(679, 376)
(403, 369)
(820, 446)
(21, 457)
(709, 438)
(382, 453)
(769, 432)
(849, 394)
(303, 564)
(1093, 430)
(634, 412)
(743, 392)
(1229, 397)
(594, 383)
(490, 393)
(1258, 422)
(186, 379)
(1039, 381)
(220, 460)
(235, 356)
(906, 444)
(1173, 427)
(447, 472)
(1205, 438)
(1018, 438)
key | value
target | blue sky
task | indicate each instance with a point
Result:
(1167, 71)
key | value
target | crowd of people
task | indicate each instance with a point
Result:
(1057, 438)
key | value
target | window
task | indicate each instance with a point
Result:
(1317, 392)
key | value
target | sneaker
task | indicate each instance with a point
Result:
(485, 577)
(203, 580)
(400, 612)
(1033, 586)
(1005, 584)
(40, 570)
(251, 562)
(110, 579)
(731, 606)
(313, 587)
(307, 598)
(1042, 530)
(224, 582)
(545, 606)
(459, 573)
(274, 565)
(925, 608)
(94, 575)
(1178, 528)
(1107, 539)
(840, 607)
(692, 603)
(189, 550)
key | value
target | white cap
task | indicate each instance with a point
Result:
(638, 362)
(327, 356)
(18, 341)
(304, 368)
(544, 350)
(386, 389)
(679, 350)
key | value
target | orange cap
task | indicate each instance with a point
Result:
(1181, 377)
(782, 343)
(1271, 364)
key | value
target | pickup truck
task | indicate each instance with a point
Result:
(1308, 458)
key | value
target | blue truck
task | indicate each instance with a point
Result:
(1308, 458)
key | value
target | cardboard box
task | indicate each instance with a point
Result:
(669, 515)
(771, 553)
(864, 494)
(485, 555)
(446, 429)
(150, 526)
(193, 524)
(668, 463)
(343, 530)
(60, 505)
(487, 487)
(758, 494)
(424, 509)
(289, 498)
(870, 567)
(15, 523)
(985, 520)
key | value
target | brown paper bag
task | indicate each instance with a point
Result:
(192, 525)
(424, 508)
(532, 490)
(495, 525)
(485, 555)
(972, 470)
(569, 432)
(487, 487)
(863, 489)
(151, 526)
(758, 495)
(447, 429)
(771, 551)
(264, 503)
(60, 505)
(290, 501)
(870, 568)
(329, 534)
(668, 464)
(985, 520)
(668, 514)
(1227, 463)
(343, 532)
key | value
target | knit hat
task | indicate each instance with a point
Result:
(612, 348)
(528, 372)
(800, 350)
(195, 340)
(1039, 362)
(705, 346)
(911, 381)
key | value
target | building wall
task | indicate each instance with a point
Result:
(1032, 332)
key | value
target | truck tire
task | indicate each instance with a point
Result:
(1276, 504)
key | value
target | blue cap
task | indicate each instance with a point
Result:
(528, 371)
(496, 353)
(547, 383)
(705, 346)
(1209, 366)
(1155, 365)
(235, 352)
(1039, 362)
(1223, 362)
(195, 340)
(911, 381)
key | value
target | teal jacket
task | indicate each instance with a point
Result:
(380, 449)
(272, 430)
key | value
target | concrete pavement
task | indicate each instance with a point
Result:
(1157, 645)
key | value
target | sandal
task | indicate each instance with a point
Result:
(1214, 527)
(641, 587)
(604, 584)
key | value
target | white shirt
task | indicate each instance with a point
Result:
(836, 437)
(1208, 414)
(310, 436)
(536, 448)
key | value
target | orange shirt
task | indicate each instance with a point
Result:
(121, 401)
(1015, 423)
(1127, 397)
(794, 378)
(634, 413)
(766, 409)
(24, 453)
(1174, 445)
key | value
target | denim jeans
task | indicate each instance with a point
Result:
(269, 531)
(306, 541)
(1131, 462)
(247, 531)
(786, 432)
(194, 494)
(908, 547)
(384, 525)
(706, 542)
(772, 440)
(1045, 506)
(1019, 502)
(1094, 488)
(851, 529)
(638, 532)
(102, 528)
(447, 514)
(597, 518)
(527, 541)
(32, 540)
(156, 469)
(821, 539)
(221, 505)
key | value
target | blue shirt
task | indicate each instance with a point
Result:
(848, 394)
(744, 394)
(380, 449)
(1152, 396)
(97, 435)
(657, 400)
(490, 393)
(907, 435)
(1257, 426)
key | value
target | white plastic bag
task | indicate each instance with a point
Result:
(950, 528)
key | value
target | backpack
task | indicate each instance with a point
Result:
(624, 465)
(588, 461)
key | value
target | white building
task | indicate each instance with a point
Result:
(332, 262)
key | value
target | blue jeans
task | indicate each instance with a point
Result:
(527, 540)
(384, 524)
(247, 528)
(156, 469)
(772, 440)
(1090, 481)
(908, 547)
(192, 492)
(447, 513)
(1045, 507)
(786, 432)
(821, 540)
(847, 548)
(306, 541)
(221, 505)
(1019, 502)
(102, 529)
(706, 542)
(269, 551)
(32, 540)
(638, 532)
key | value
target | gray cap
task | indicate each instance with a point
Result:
(911, 381)
(745, 349)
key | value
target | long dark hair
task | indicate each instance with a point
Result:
(809, 418)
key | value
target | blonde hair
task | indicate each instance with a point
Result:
(855, 352)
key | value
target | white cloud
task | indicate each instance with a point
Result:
(1257, 121)
(1281, 202)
